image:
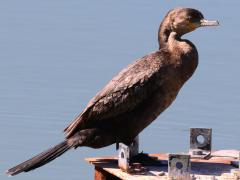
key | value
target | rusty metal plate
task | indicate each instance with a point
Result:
(200, 142)
(179, 167)
(125, 152)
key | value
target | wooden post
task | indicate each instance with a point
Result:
(100, 174)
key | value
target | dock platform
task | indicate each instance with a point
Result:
(221, 165)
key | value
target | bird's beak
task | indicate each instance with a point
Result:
(205, 22)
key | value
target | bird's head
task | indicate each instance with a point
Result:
(182, 21)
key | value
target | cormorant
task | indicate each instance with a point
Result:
(137, 95)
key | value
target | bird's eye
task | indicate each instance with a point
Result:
(192, 19)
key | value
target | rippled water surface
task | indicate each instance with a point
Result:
(55, 55)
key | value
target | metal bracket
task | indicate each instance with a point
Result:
(126, 152)
(200, 142)
(179, 167)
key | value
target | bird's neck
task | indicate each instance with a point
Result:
(174, 44)
(183, 54)
(179, 46)
(163, 34)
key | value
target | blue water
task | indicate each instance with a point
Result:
(55, 55)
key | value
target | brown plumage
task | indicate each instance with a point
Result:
(137, 95)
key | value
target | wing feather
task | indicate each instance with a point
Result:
(122, 94)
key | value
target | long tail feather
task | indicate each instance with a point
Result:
(40, 159)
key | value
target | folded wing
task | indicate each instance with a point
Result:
(122, 94)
